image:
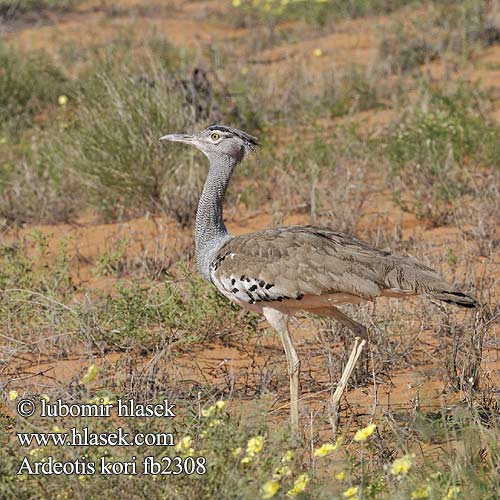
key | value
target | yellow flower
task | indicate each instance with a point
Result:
(288, 456)
(246, 460)
(100, 400)
(364, 433)
(208, 412)
(56, 429)
(269, 489)
(452, 493)
(90, 375)
(299, 485)
(237, 451)
(326, 448)
(401, 466)
(184, 444)
(340, 476)
(215, 422)
(46, 398)
(317, 52)
(351, 492)
(62, 100)
(236, 3)
(13, 395)
(220, 405)
(283, 471)
(422, 492)
(255, 445)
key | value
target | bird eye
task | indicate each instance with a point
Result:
(215, 136)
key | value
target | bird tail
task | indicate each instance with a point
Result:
(412, 276)
(456, 298)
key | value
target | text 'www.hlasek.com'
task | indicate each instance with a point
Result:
(83, 438)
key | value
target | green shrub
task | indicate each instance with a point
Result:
(99, 142)
(438, 144)
(446, 29)
(11, 8)
(182, 311)
(298, 95)
(32, 88)
(185, 309)
(402, 51)
(29, 83)
(316, 12)
(110, 142)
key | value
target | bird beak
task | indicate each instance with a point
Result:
(177, 138)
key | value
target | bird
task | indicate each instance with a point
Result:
(282, 271)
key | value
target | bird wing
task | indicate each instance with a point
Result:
(291, 262)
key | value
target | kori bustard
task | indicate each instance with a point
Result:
(279, 272)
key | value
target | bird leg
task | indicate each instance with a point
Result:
(355, 327)
(293, 372)
(360, 331)
(342, 385)
(279, 321)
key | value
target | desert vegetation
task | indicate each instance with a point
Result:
(379, 118)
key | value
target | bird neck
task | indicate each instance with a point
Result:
(210, 230)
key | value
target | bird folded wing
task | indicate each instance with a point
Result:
(289, 263)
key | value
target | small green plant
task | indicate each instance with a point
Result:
(180, 311)
(403, 51)
(111, 262)
(350, 91)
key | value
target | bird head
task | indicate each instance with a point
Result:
(218, 140)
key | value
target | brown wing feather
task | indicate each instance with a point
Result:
(305, 260)
(295, 261)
